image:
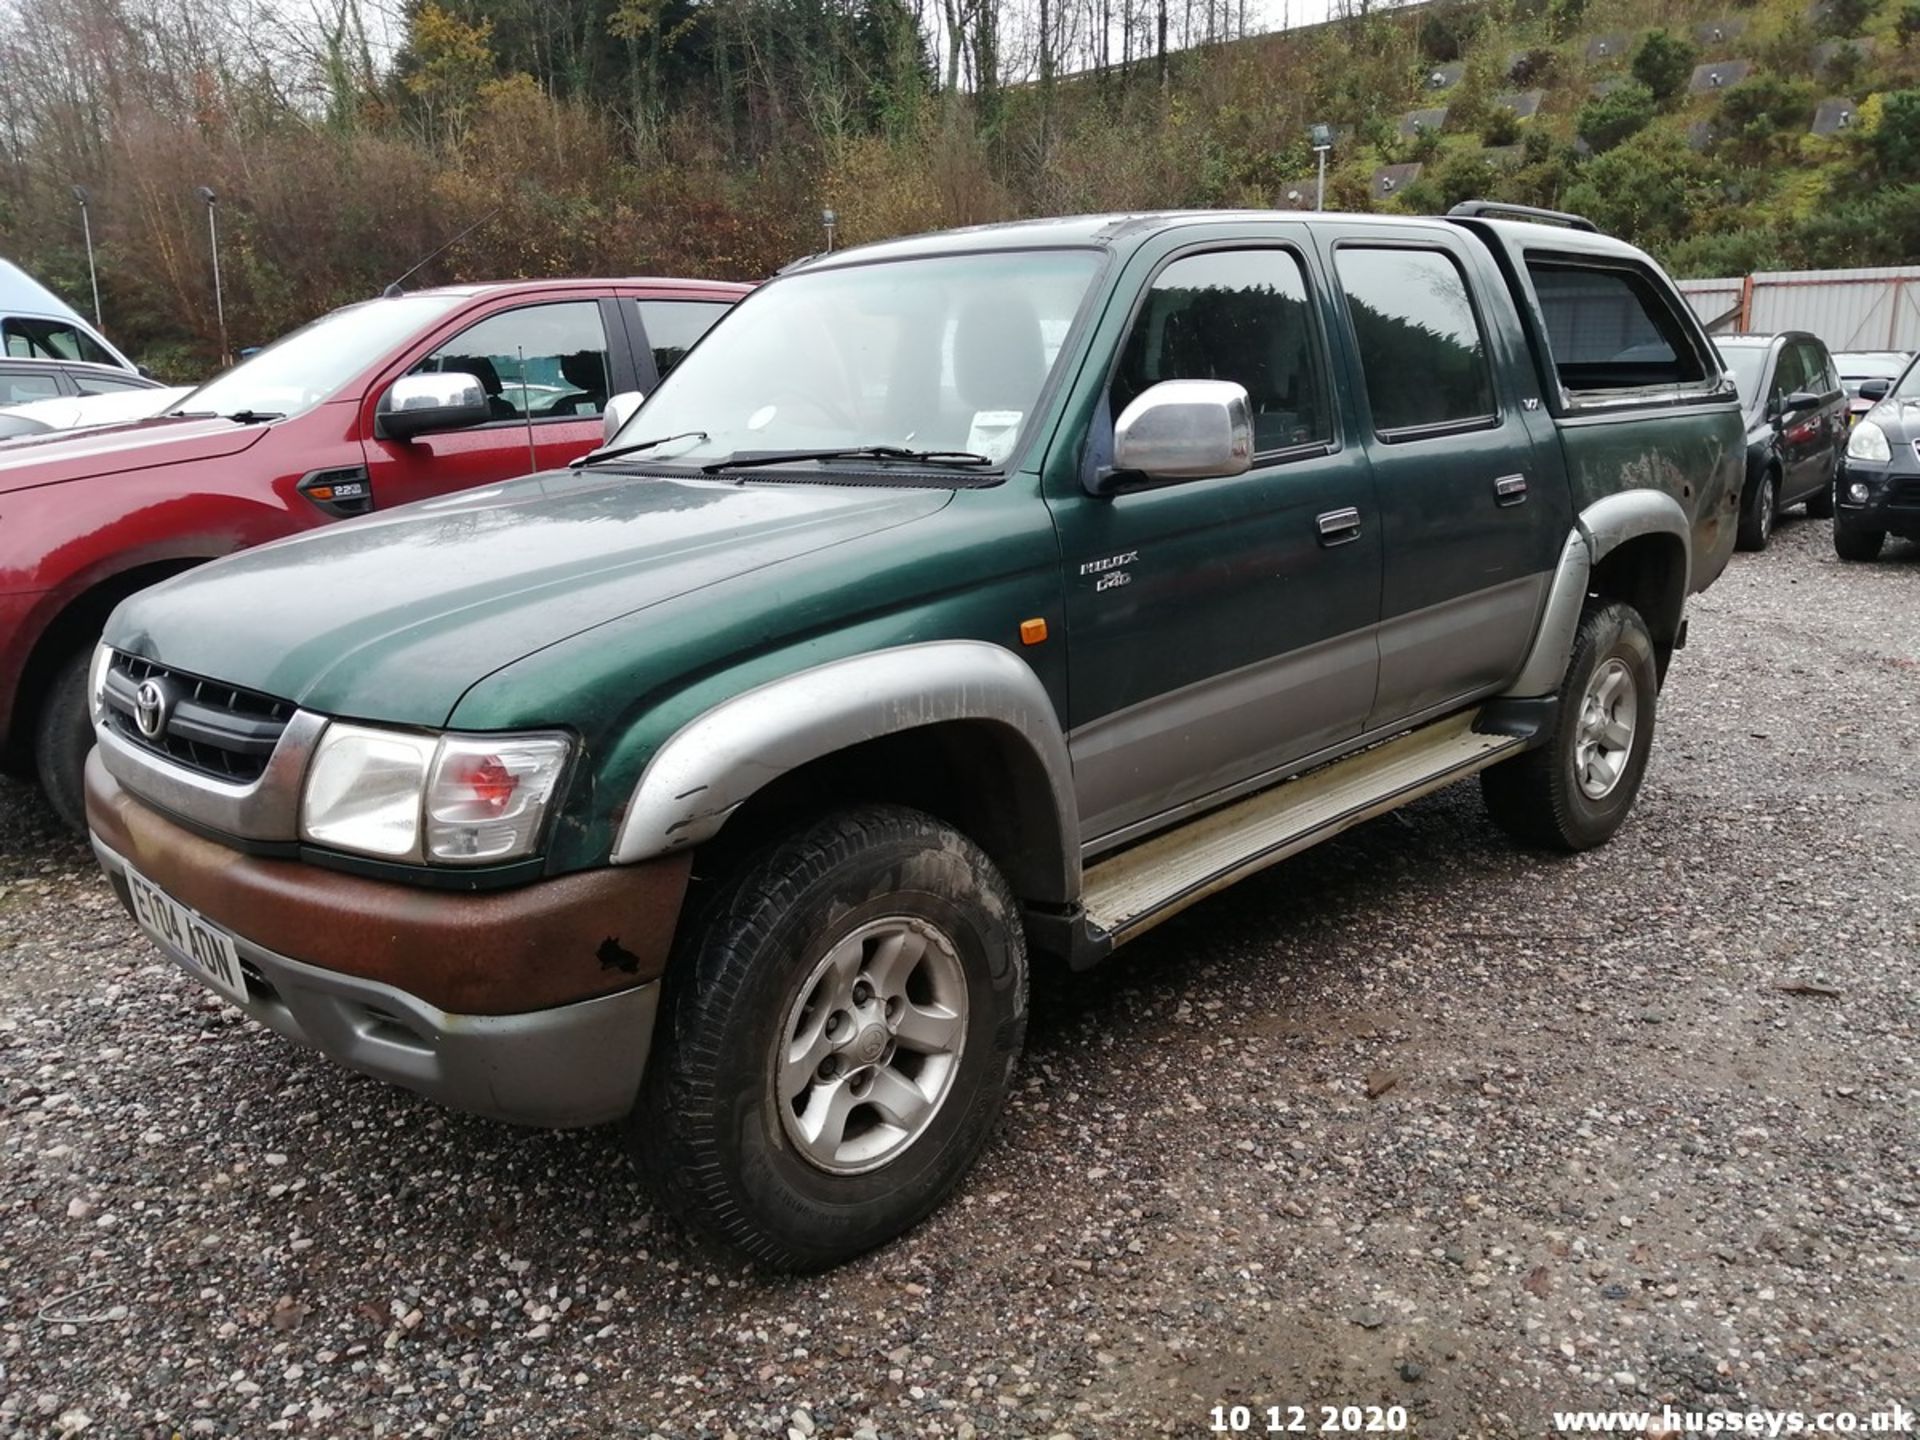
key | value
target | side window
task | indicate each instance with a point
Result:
(1421, 347)
(673, 325)
(89, 383)
(1790, 374)
(1233, 315)
(18, 389)
(1815, 366)
(1612, 327)
(52, 340)
(546, 362)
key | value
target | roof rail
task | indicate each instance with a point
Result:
(1495, 209)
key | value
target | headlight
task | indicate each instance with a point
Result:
(489, 794)
(1869, 442)
(97, 681)
(458, 799)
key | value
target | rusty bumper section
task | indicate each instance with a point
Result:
(496, 952)
(534, 1005)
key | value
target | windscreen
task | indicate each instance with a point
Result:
(942, 353)
(1744, 363)
(308, 366)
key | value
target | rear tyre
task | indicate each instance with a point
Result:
(1856, 542)
(839, 1035)
(1574, 792)
(1820, 503)
(1757, 511)
(62, 736)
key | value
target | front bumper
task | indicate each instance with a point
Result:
(449, 994)
(1893, 501)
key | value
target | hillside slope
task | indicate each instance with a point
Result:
(1724, 138)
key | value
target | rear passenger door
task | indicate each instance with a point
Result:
(1473, 508)
(664, 330)
(1219, 630)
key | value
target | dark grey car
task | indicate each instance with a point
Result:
(1796, 414)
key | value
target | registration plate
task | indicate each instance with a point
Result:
(187, 936)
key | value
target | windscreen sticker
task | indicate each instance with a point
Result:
(992, 433)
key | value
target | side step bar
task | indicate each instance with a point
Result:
(1136, 889)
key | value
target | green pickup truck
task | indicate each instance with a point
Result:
(959, 603)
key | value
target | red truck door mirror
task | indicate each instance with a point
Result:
(422, 404)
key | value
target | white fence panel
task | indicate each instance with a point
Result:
(1710, 299)
(1868, 309)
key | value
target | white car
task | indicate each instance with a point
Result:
(72, 412)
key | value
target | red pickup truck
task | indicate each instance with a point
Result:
(376, 404)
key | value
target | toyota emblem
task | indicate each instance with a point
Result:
(150, 706)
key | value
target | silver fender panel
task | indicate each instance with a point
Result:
(1599, 530)
(715, 762)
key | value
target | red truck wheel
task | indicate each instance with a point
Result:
(62, 736)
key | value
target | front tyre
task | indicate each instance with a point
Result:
(1857, 542)
(1574, 792)
(839, 1037)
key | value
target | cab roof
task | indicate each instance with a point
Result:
(1111, 231)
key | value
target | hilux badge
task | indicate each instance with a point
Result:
(150, 706)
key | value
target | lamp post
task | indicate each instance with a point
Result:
(86, 229)
(1322, 137)
(828, 220)
(209, 199)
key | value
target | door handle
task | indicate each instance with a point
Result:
(1510, 490)
(1337, 527)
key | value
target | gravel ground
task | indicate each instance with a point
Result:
(1417, 1118)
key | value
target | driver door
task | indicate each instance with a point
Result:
(1221, 630)
(547, 369)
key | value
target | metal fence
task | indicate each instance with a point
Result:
(1874, 309)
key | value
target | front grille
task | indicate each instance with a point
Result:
(1904, 493)
(215, 729)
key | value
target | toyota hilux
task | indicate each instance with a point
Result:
(727, 782)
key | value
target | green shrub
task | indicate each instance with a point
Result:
(1896, 141)
(1756, 111)
(1606, 121)
(1651, 190)
(1846, 17)
(1908, 25)
(1733, 251)
(1843, 70)
(1502, 127)
(1664, 62)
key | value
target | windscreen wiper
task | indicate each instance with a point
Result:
(239, 417)
(615, 452)
(961, 458)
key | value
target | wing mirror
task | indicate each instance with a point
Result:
(1799, 402)
(1875, 389)
(619, 410)
(420, 404)
(1180, 430)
